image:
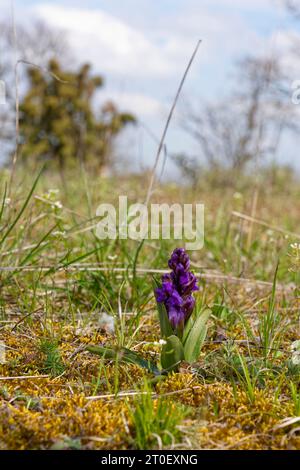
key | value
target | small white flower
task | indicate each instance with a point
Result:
(161, 342)
(295, 346)
(59, 234)
(295, 246)
(56, 205)
(107, 321)
(295, 349)
(296, 359)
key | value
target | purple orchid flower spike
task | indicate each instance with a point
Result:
(176, 289)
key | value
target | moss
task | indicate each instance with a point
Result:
(228, 419)
(55, 412)
(95, 424)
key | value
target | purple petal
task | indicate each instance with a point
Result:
(176, 317)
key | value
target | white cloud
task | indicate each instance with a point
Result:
(137, 103)
(120, 50)
(103, 39)
(6, 8)
(250, 4)
(286, 47)
(142, 55)
(151, 60)
(158, 52)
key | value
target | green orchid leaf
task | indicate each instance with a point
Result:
(172, 353)
(166, 329)
(124, 355)
(187, 328)
(196, 337)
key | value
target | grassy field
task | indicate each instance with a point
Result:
(62, 289)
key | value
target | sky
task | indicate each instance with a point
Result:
(142, 47)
